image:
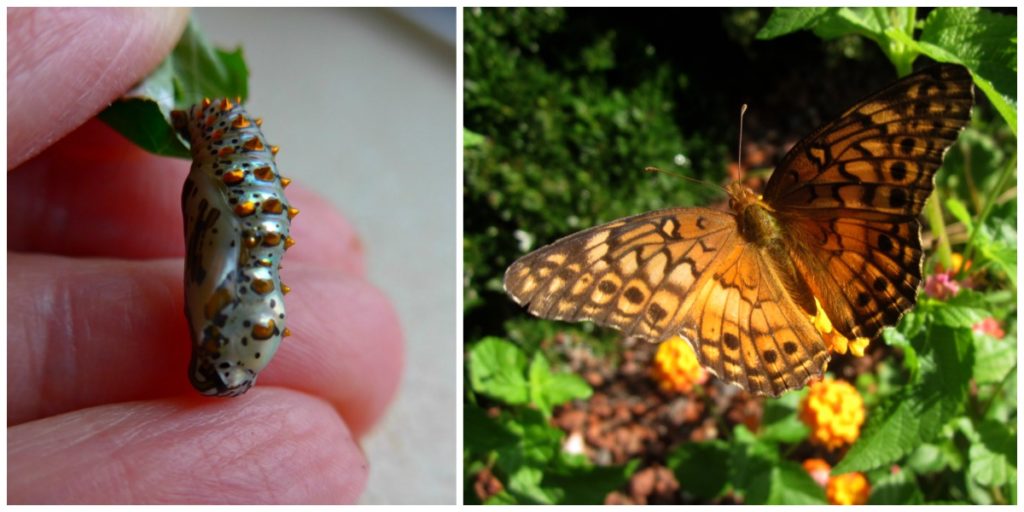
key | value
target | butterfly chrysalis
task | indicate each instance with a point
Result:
(237, 223)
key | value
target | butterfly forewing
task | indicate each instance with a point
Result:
(850, 194)
(632, 274)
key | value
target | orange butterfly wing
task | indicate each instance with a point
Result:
(849, 196)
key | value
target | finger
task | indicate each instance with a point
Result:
(95, 193)
(65, 65)
(85, 332)
(271, 446)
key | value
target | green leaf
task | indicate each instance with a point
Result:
(896, 489)
(482, 433)
(791, 485)
(927, 458)
(750, 466)
(194, 70)
(992, 457)
(780, 423)
(701, 468)
(916, 414)
(548, 390)
(496, 369)
(785, 20)
(993, 359)
(471, 139)
(587, 484)
(985, 42)
(958, 209)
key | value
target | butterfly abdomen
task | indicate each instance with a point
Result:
(237, 225)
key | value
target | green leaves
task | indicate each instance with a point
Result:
(497, 369)
(525, 447)
(982, 40)
(193, 71)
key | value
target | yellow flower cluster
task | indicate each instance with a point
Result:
(834, 411)
(835, 341)
(846, 489)
(676, 368)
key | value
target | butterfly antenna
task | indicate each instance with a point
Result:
(739, 150)
(684, 177)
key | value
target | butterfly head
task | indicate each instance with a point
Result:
(740, 197)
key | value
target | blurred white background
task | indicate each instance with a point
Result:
(362, 103)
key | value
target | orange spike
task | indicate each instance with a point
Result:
(234, 177)
(273, 206)
(262, 286)
(285, 288)
(285, 182)
(259, 121)
(263, 331)
(226, 105)
(264, 173)
(287, 332)
(288, 242)
(292, 212)
(253, 144)
(271, 239)
(240, 122)
(225, 151)
(245, 209)
(273, 149)
(206, 102)
(265, 263)
(238, 99)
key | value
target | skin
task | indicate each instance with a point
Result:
(99, 406)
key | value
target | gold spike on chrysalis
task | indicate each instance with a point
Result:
(250, 241)
(259, 121)
(273, 149)
(206, 102)
(262, 286)
(288, 242)
(240, 122)
(285, 182)
(238, 99)
(292, 212)
(271, 239)
(263, 331)
(273, 206)
(264, 173)
(233, 177)
(253, 144)
(285, 288)
(226, 105)
(287, 332)
(245, 209)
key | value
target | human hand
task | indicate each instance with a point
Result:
(99, 405)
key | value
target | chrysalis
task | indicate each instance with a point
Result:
(237, 222)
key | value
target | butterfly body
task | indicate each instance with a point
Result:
(836, 225)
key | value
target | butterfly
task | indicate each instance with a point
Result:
(836, 225)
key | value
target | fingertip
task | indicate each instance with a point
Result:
(65, 65)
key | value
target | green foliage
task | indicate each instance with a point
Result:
(525, 449)
(983, 41)
(194, 70)
(562, 111)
